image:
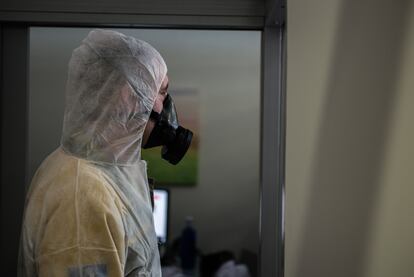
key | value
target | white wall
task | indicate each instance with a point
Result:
(224, 67)
(350, 165)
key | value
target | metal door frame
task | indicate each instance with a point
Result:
(14, 68)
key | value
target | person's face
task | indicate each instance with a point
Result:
(158, 107)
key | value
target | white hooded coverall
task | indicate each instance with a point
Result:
(88, 210)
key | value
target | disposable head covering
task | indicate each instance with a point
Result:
(112, 84)
(88, 210)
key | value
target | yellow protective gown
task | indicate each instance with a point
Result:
(88, 210)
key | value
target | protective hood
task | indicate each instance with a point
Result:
(113, 81)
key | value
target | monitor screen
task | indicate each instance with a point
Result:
(160, 214)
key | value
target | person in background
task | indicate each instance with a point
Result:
(88, 209)
(232, 269)
(222, 264)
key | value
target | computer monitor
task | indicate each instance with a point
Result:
(160, 213)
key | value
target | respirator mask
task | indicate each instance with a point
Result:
(175, 140)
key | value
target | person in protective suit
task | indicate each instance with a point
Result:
(88, 209)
